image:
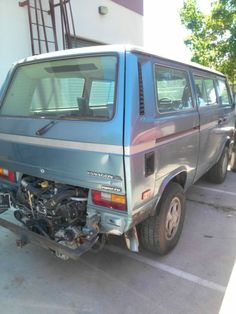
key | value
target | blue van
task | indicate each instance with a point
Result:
(106, 140)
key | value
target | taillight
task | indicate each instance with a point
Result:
(7, 174)
(109, 200)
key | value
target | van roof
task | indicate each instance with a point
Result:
(112, 48)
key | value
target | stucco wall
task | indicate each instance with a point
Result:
(120, 25)
(14, 35)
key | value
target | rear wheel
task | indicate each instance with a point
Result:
(160, 233)
(217, 173)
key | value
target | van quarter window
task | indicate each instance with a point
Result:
(173, 89)
(205, 90)
(223, 93)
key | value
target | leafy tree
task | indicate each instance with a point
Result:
(212, 37)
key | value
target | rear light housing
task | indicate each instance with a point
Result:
(7, 174)
(110, 200)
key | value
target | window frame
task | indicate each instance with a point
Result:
(155, 64)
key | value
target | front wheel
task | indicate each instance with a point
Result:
(217, 173)
(160, 233)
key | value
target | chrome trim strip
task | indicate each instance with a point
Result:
(92, 147)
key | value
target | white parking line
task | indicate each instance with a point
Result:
(201, 187)
(171, 270)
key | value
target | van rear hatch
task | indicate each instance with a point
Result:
(62, 119)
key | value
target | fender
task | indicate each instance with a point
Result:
(150, 208)
(228, 142)
(173, 174)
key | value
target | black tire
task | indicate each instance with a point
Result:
(218, 172)
(155, 232)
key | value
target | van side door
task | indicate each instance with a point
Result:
(177, 121)
(210, 118)
(227, 110)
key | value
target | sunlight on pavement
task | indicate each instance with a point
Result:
(229, 302)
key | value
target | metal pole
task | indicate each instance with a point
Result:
(52, 12)
(31, 30)
(72, 21)
(37, 24)
(67, 26)
(43, 23)
(62, 24)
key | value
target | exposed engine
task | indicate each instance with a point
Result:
(54, 210)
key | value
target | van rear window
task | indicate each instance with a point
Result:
(81, 88)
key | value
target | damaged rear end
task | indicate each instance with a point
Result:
(61, 157)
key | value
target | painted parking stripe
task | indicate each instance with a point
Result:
(206, 188)
(171, 270)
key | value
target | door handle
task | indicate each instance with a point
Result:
(222, 120)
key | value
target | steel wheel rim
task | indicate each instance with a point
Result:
(173, 218)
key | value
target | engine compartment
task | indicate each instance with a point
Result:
(56, 211)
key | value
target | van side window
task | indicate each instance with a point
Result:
(173, 89)
(223, 93)
(205, 90)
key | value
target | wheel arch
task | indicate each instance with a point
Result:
(178, 176)
(229, 143)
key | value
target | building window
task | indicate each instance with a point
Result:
(78, 42)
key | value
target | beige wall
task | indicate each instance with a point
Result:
(14, 35)
(120, 25)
